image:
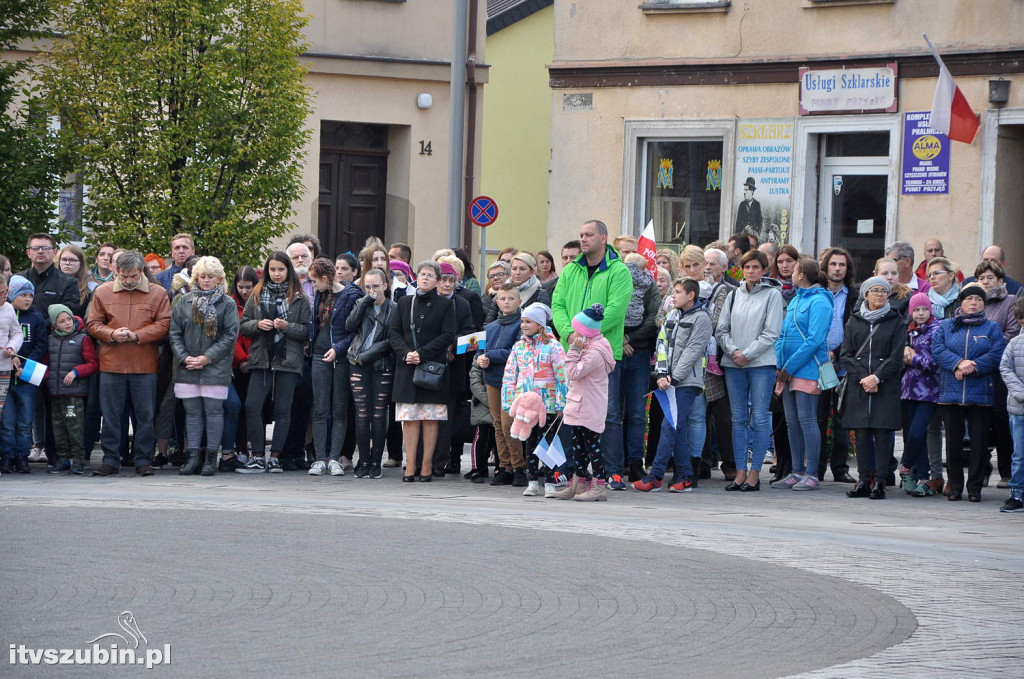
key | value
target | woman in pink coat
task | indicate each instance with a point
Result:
(587, 366)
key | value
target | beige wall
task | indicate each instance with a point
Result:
(613, 29)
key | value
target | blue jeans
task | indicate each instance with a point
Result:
(675, 442)
(611, 439)
(802, 422)
(1017, 463)
(118, 392)
(697, 427)
(753, 386)
(16, 420)
(916, 417)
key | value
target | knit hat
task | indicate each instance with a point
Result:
(588, 321)
(969, 290)
(538, 313)
(18, 286)
(56, 310)
(448, 270)
(399, 265)
(527, 259)
(872, 282)
(919, 299)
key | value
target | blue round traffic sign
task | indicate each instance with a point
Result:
(483, 211)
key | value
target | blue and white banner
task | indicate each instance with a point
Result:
(667, 401)
(33, 372)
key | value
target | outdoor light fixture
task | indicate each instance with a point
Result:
(425, 101)
(998, 91)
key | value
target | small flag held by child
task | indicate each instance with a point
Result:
(33, 372)
(551, 454)
(471, 343)
(667, 401)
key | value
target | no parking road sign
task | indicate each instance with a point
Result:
(483, 211)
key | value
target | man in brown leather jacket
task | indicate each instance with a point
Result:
(128, 317)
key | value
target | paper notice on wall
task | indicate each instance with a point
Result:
(866, 226)
(764, 162)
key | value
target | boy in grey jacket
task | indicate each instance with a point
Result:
(682, 358)
(1011, 368)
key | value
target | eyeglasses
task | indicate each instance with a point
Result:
(375, 286)
(426, 276)
(878, 291)
(940, 272)
(41, 248)
(69, 260)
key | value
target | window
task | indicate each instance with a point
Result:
(683, 194)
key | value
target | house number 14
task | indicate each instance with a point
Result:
(425, 149)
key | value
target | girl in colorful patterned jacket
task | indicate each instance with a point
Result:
(536, 363)
(920, 395)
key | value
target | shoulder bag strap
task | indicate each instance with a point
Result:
(412, 324)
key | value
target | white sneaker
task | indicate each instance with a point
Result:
(532, 489)
(317, 469)
(335, 468)
(551, 488)
(37, 455)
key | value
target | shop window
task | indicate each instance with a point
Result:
(683, 190)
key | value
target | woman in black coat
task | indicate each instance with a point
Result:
(872, 355)
(433, 318)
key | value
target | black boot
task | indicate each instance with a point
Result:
(191, 464)
(877, 491)
(862, 489)
(210, 463)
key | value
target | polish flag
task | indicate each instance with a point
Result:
(951, 114)
(648, 247)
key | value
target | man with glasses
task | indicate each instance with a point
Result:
(128, 318)
(902, 253)
(52, 285)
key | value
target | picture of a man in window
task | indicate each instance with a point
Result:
(748, 215)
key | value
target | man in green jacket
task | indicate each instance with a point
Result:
(598, 276)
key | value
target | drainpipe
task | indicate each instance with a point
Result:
(456, 129)
(471, 105)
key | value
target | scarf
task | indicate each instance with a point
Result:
(872, 316)
(274, 304)
(528, 289)
(941, 301)
(204, 311)
(101, 279)
(788, 291)
(998, 292)
(977, 318)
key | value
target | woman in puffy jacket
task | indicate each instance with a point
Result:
(372, 370)
(803, 346)
(967, 349)
(872, 355)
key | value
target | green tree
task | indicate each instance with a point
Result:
(184, 115)
(30, 168)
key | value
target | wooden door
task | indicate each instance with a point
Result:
(353, 190)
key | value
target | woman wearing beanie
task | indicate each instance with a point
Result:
(587, 366)
(919, 395)
(801, 348)
(872, 355)
(967, 349)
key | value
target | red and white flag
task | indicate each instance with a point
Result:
(648, 247)
(951, 114)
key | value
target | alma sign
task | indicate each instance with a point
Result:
(848, 90)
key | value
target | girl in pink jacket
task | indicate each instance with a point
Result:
(587, 366)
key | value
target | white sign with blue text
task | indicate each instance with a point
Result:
(837, 90)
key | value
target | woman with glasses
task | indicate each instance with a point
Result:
(72, 262)
(497, 274)
(872, 355)
(944, 287)
(421, 330)
(899, 295)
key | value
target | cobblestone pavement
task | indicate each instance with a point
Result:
(391, 579)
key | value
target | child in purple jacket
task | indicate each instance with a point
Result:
(919, 394)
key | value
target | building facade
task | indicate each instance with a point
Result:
(796, 120)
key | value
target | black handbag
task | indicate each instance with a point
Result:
(428, 375)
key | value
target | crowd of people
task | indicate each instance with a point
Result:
(602, 376)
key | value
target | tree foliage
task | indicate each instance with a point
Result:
(30, 166)
(184, 115)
